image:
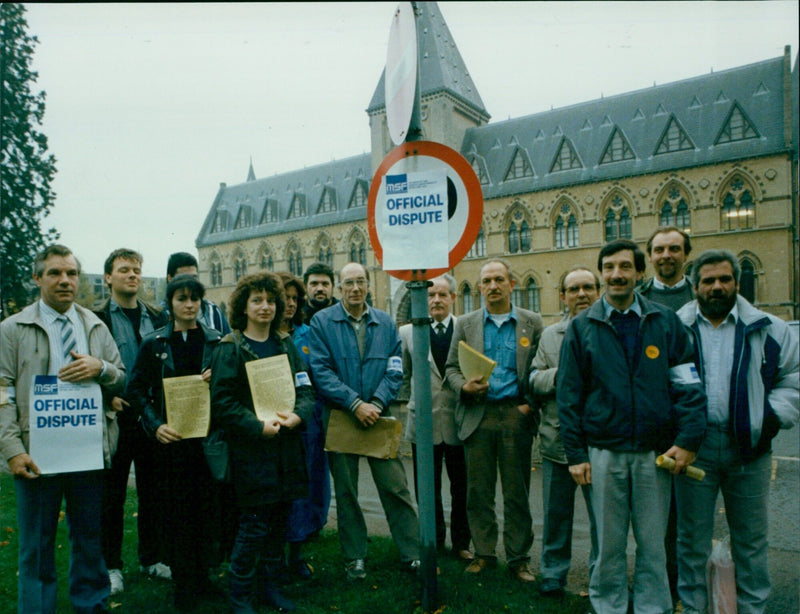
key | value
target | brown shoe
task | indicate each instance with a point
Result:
(523, 573)
(465, 555)
(477, 565)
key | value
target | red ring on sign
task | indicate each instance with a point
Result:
(472, 185)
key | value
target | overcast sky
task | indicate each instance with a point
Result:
(151, 106)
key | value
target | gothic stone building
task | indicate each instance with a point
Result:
(715, 155)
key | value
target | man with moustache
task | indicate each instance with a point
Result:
(318, 280)
(354, 354)
(668, 248)
(627, 391)
(56, 337)
(496, 422)
(447, 447)
(748, 361)
(580, 288)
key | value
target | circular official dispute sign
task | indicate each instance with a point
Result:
(424, 211)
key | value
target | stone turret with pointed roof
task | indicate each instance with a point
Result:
(450, 101)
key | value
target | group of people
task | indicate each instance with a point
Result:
(681, 368)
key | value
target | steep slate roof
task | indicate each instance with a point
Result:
(701, 105)
(441, 66)
(340, 176)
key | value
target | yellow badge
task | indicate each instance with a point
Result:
(524, 342)
(652, 351)
(305, 349)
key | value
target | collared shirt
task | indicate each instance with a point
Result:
(445, 322)
(717, 344)
(608, 309)
(660, 285)
(358, 324)
(125, 336)
(50, 317)
(500, 344)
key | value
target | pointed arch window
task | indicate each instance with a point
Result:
(527, 296)
(513, 239)
(738, 206)
(524, 237)
(216, 271)
(747, 280)
(675, 208)
(466, 298)
(565, 228)
(294, 256)
(239, 266)
(560, 238)
(478, 249)
(324, 251)
(618, 224)
(266, 261)
(358, 249)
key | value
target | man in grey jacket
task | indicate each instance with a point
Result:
(67, 343)
(580, 288)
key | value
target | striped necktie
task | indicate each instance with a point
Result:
(68, 342)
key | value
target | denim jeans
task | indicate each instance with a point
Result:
(38, 507)
(745, 489)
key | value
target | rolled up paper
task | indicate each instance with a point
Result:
(668, 463)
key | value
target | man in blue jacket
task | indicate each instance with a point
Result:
(354, 353)
(748, 361)
(628, 391)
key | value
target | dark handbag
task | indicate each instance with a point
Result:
(216, 450)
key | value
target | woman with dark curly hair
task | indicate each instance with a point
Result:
(308, 515)
(267, 459)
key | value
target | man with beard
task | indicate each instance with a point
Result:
(627, 391)
(748, 362)
(318, 280)
(668, 248)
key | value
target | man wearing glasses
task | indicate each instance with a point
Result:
(354, 353)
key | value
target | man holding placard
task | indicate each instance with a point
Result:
(354, 352)
(495, 420)
(57, 363)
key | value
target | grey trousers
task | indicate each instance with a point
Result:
(390, 479)
(629, 491)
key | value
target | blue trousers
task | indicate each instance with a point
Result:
(745, 489)
(38, 506)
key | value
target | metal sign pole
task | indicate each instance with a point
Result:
(420, 319)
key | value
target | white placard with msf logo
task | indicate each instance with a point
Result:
(412, 214)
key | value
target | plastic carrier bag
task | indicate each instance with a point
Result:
(721, 578)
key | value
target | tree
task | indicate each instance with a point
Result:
(26, 167)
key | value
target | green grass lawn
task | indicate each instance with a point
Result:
(387, 590)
